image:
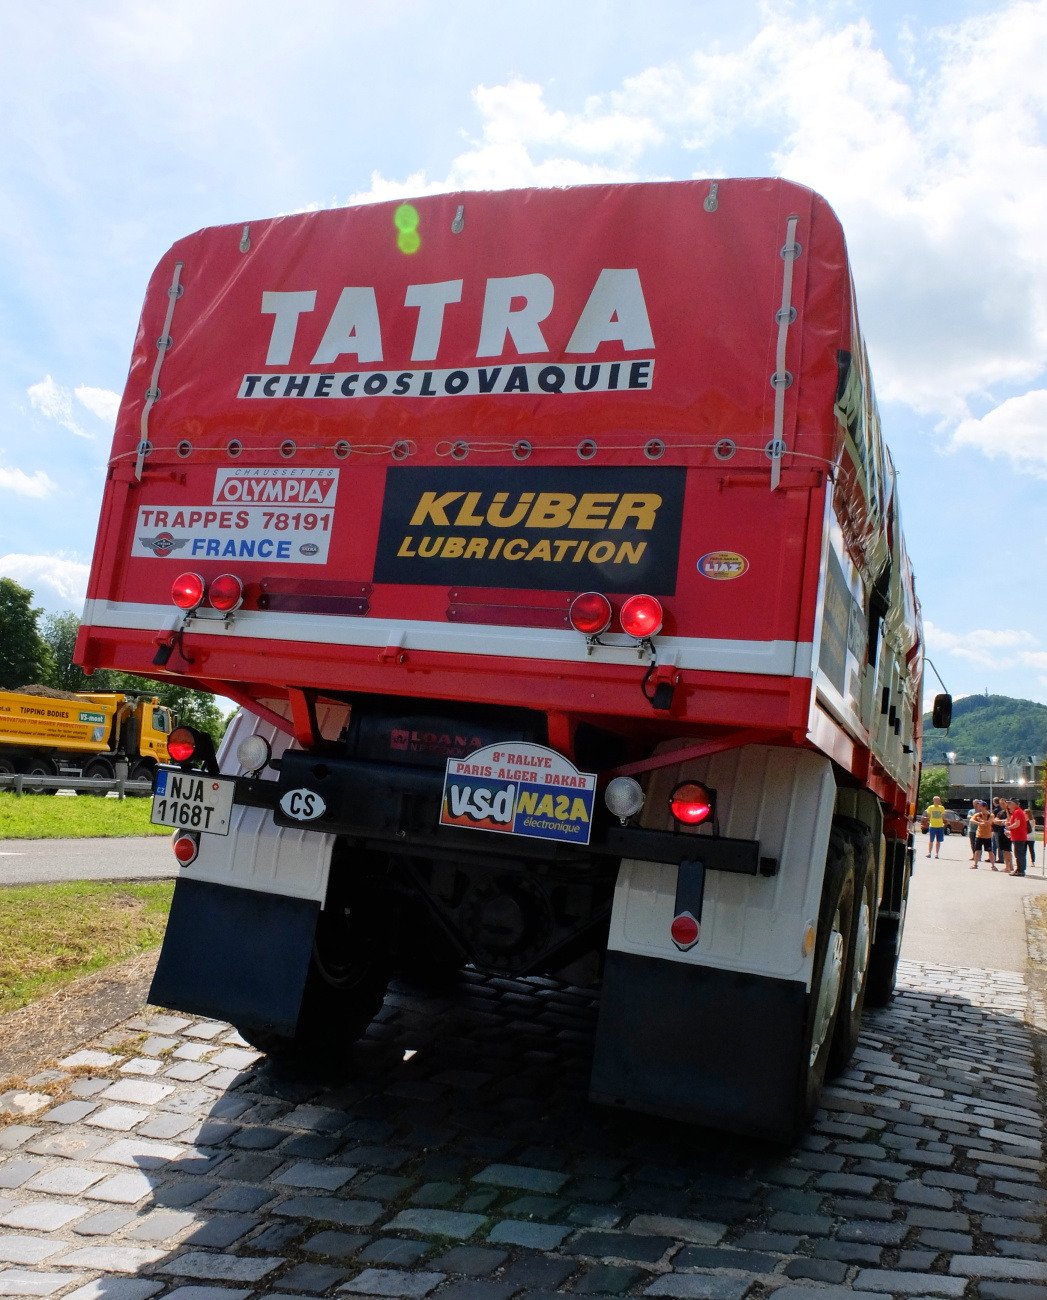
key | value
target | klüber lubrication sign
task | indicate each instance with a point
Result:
(519, 789)
(615, 528)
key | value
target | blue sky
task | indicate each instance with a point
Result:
(128, 125)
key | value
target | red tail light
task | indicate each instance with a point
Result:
(225, 593)
(684, 930)
(590, 613)
(691, 803)
(642, 616)
(181, 744)
(185, 847)
(187, 590)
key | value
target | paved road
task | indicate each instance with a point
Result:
(30, 862)
(961, 917)
(460, 1160)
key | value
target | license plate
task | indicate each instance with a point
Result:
(192, 801)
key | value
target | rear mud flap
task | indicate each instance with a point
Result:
(236, 955)
(705, 1046)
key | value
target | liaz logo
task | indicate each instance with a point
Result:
(163, 543)
(722, 566)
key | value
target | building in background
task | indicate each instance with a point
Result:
(1018, 778)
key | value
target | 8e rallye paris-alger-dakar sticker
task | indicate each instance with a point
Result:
(519, 789)
(276, 516)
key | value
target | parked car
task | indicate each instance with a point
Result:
(955, 824)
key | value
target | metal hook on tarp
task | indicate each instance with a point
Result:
(782, 379)
(163, 345)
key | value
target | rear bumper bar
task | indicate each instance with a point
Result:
(399, 807)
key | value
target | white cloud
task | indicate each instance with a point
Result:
(56, 404)
(998, 648)
(101, 402)
(36, 485)
(516, 114)
(1014, 431)
(524, 143)
(936, 163)
(57, 581)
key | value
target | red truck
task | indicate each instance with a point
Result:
(549, 542)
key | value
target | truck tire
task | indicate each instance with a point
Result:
(98, 769)
(349, 971)
(38, 767)
(856, 972)
(835, 932)
(141, 771)
(424, 958)
(7, 768)
(887, 946)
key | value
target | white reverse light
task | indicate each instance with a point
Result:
(624, 797)
(253, 753)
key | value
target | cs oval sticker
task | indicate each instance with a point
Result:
(722, 565)
(302, 805)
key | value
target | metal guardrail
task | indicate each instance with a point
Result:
(23, 783)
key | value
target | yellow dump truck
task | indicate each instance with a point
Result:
(45, 732)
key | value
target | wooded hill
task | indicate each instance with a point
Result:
(983, 725)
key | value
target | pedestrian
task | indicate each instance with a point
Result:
(1032, 834)
(935, 825)
(983, 835)
(972, 826)
(1018, 834)
(1001, 842)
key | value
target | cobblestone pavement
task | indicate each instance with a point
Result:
(462, 1160)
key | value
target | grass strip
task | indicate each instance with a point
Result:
(63, 817)
(53, 934)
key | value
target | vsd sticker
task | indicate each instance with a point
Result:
(519, 789)
(722, 565)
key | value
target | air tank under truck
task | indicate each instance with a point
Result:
(549, 543)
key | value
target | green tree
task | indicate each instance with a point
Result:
(194, 708)
(59, 635)
(933, 781)
(24, 655)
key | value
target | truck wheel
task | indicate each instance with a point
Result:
(7, 768)
(141, 771)
(424, 958)
(835, 930)
(349, 972)
(38, 767)
(883, 968)
(856, 973)
(99, 769)
(887, 946)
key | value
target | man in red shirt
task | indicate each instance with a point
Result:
(1018, 833)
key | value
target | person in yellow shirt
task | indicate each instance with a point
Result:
(935, 825)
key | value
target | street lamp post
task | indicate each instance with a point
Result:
(993, 759)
